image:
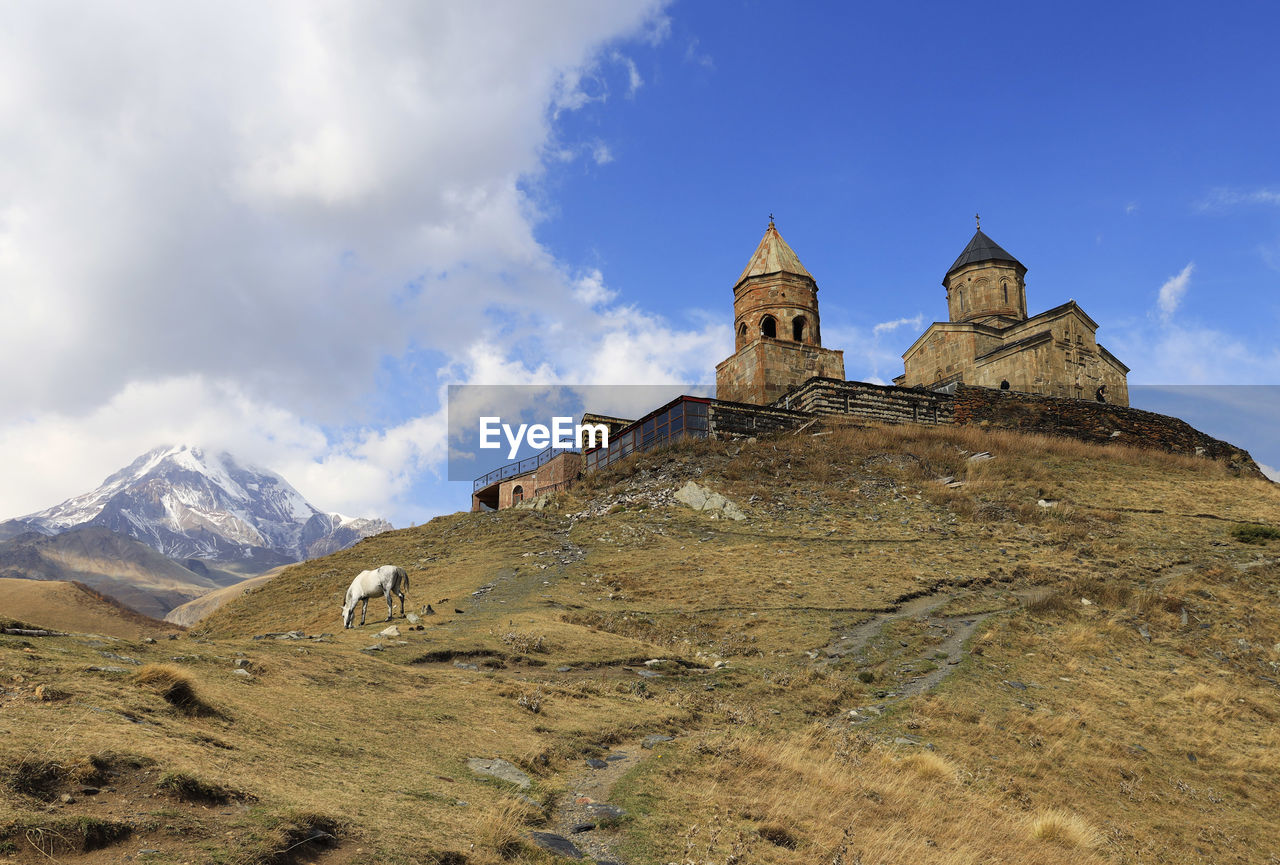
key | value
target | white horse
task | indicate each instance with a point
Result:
(370, 584)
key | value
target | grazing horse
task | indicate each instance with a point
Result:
(370, 584)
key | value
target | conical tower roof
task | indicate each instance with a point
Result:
(982, 248)
(773, 255)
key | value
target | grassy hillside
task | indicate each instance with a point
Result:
(1067, 654)
(198, 608)
(75, 607)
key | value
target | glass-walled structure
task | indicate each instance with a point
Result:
(683, 416)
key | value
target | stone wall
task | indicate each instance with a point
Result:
(767, 368)
(732, 419)
(870, 402)
(1092, 421)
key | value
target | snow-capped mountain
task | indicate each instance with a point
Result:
(189, 503)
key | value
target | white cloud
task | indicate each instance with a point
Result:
(914, 323)
(634, 81)
(1270, 472)
(221, 223)
(1164, 350)
(1173, 290)
(601, 153)
(1226, 197)
(866, 358)
(693, 55)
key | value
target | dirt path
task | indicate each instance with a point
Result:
(921, 669)
(584, 816)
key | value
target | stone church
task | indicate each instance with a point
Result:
(988, 339)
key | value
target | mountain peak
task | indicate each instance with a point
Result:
(186, 501)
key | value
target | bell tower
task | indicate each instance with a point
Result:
(777, 329)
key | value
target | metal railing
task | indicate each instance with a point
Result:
(511, 470)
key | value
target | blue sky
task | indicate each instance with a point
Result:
(285, 232)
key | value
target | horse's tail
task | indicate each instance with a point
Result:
(403, 575)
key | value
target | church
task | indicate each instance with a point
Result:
(988, 339)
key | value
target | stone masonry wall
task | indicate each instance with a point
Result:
(731, 419)
(767, 368)
(870, 402)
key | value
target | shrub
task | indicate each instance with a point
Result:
(1252, 533)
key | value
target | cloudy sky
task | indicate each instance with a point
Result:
(283, 229)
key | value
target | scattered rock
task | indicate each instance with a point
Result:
(242, 673)
(980, 457)
(500, 769)
(242, 663)
(1018, 685)
(1086, 602)
(597, 764)
(700, 498)
(389, 631)
(605, 811)
(149, 640)
(650, 741)
(46, 694)
(376, 647)
(1144, 632)
(1048, 503)
(556, 844)
(67, 799)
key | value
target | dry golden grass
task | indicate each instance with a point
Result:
(174, 686)
(1064, 828)
(1163, 744)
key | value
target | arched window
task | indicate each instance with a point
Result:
(769, 327)
(797, 328)
(742, 330)
(1005, 287)
(517, 492)
(960, 301)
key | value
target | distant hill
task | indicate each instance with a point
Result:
(195, 610)
(188, 503)
(71, 606)
(113, 564)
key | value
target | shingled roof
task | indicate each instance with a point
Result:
(773, 255)
(982, 248)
